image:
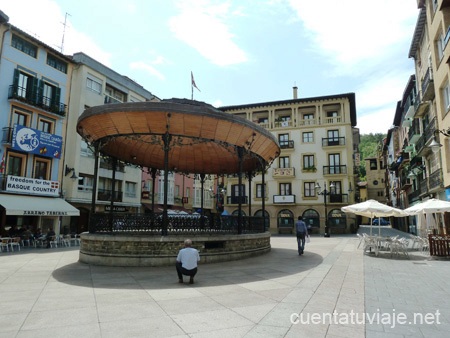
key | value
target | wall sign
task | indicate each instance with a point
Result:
(32, 186)
(36, 142)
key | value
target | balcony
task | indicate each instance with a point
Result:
(307, 122)
(283, 172)
(283, 199)
(45, 103)
(283, 124)
(435, 179)
(406, 183)
(333, 141)
(333, 120)
(428, 86)
(334, 169)
(286, 144)
(107, 165)
(7, 135)
(236, 199)
(106, 194)
(414, 132)
(338, 198)
(110, 99)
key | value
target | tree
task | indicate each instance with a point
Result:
(369, 146)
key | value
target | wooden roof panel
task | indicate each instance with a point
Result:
(203, 138)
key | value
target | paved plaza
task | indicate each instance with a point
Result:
(48, 293)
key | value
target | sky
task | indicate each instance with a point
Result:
(240, 51)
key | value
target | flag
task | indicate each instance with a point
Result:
(193, 82)
(2, 165)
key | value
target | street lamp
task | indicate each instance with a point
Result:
(325, 192)
(221, 191)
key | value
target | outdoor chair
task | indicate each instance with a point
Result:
(54, 241)
(4, 243)
(361, 239)
(370, 242)
(15, 242)
(64, 240)
(399, 246)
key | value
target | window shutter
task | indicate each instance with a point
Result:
(15, 82)
(37, 90)
(56, 100)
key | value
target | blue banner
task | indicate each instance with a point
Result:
(36, 142)
(447, 194)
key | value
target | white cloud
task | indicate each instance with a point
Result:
(353, 31)
(201, 25)
(377, 121)
(140, 65)
(50, 30)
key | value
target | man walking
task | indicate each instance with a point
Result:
(302, 232)
(187, 262)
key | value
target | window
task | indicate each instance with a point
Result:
(45, 126)
(308, 137)
(25, 85)
(48, 94)
(113, 95)
(259, 188)
(188, 192)
(335, 161)
(285, 189)
(373, 164)
(57, 63)
(51, 95)
(309, 189)
(332, 114)
(445, 92)
(20, 118)
(332, 137)
(238, 190)
(283, 140)
(41, 168)
(283, 162)
(177, 190)
(130, 189)
(16, 164)
(308, 161)
(440, 47)
(308, 116)
(94, 84)
(24, 46)
(85, 183)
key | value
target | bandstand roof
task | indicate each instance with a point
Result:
(203, 139)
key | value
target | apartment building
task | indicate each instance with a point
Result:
(95, 84)
(315, 174)
(418, 148)
(34, 95)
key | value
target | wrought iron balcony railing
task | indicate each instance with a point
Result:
(41, 101)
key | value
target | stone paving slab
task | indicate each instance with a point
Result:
(48, 293)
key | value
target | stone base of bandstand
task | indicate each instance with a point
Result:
(145, 250)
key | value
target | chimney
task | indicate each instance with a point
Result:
(295, 91)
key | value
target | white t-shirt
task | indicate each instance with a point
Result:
(188, 258)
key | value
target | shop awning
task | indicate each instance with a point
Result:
(36, 206)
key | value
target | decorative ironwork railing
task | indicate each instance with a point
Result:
(152, 224)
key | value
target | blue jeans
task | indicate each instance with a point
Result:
(301, 242)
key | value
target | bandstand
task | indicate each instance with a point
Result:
(176, 135)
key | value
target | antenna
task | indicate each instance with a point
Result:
(64, 32)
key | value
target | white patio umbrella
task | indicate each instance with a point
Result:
(430, 206)
(373, 209)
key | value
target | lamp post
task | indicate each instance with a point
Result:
(325, 192)
(221, 191)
